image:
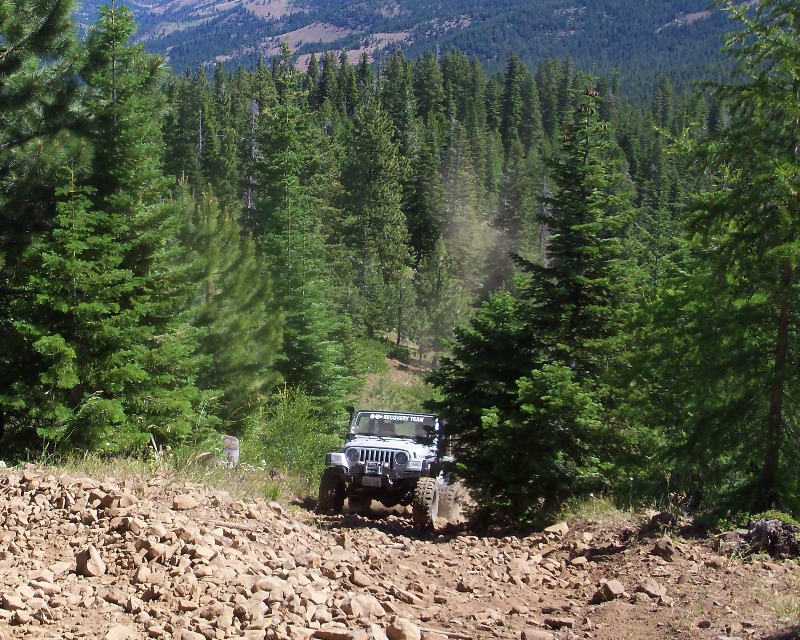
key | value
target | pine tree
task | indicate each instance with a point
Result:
(39, 98)
(477, 380)
(529, 429)
(428, 86)
(475, 116)
(327, 87)
(347, 98)
(531, 132)
(456, 75)
(180, 133)
(289, 238)
(396, 95)
(511, 109)
(157, 391)
(424, 196)
(261, 95)
(548, 79)
(577, 294)
(663, 104)
(365, 79)
(240, 331)
(375, 228)
(39, 90)
(747, 221)
(494, 104)
(312, 76)
(566, 89)
(193, 134)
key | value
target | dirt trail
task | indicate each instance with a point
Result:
(145, 558)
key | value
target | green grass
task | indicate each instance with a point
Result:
(787, 602)
(384, 392)
(595, 508)
(773, 514)
(244, 482)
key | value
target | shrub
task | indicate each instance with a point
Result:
(290, 438)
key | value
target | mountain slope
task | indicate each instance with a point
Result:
(642, 37)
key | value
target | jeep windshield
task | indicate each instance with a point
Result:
(394, 425)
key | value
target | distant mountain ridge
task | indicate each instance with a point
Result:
(642, 38)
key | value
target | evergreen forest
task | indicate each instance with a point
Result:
(638, 40)
(604, 292)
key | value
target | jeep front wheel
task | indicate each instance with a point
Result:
(331, 492)
(425, 504)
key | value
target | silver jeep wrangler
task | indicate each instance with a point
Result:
(394, 457)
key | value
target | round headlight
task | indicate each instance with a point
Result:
(352, 455)
(401, 458)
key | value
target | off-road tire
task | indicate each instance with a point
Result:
(359, 504)
(425, 504)
(331, 492)
(447, 502)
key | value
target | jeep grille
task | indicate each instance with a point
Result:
(377, 455)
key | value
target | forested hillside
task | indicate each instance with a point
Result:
(639, 40)
(604, 291)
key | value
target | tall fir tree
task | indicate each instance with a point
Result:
(531, 432)
(579, 291)
(180, 133)
(428, 86)
(290, 239)
(396, 95)
(741, 401)
(233, 309)
(148, 381)
(511, 108)
(375, 228)
(40, 98)
(116, 362)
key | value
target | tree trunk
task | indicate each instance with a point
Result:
(766, 491)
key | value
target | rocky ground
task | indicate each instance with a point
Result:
(138, 558)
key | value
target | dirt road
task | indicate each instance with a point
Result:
(146, 558)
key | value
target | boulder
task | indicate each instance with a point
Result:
(536, 634)
(651, 588)
(560, 529)
(121, 632)
(559, 622)
(89, 563)
(184, 502)
(664, 549)
(403, 629)
(608, 590)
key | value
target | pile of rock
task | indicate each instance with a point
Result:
(84, 558)
(203, 567)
